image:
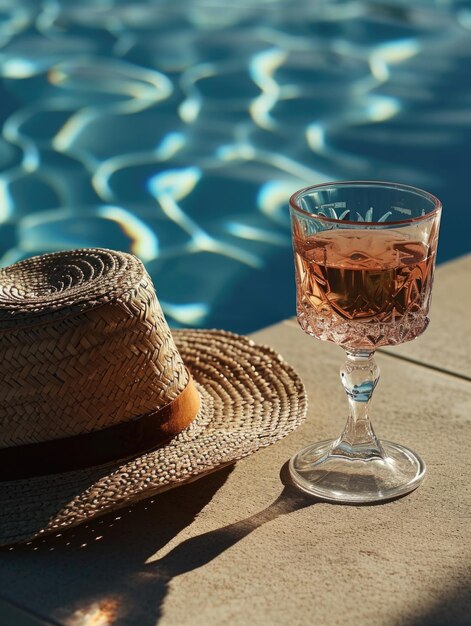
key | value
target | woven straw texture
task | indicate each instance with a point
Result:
(250, 397)
(83, 346)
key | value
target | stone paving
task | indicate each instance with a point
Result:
(242, 546)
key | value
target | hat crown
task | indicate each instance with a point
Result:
(61, 283)
(84, 345)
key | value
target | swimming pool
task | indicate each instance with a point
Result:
(178, 130)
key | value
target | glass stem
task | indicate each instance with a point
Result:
(359, 376)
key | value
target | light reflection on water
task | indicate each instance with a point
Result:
(178, 130)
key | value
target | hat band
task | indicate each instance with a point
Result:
(141, 434)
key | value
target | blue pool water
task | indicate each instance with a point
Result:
(177, 130)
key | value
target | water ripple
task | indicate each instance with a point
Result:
(178, 129)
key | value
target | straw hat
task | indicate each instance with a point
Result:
(101, 405)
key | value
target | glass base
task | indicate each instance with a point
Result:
(339, 478)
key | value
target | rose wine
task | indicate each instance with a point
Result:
(363, 289)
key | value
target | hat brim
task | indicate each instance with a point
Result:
(250, 398)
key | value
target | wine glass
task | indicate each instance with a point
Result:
(364, 258)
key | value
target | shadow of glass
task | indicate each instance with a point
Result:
(96, 572)
(198, 551)
(100, 571)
